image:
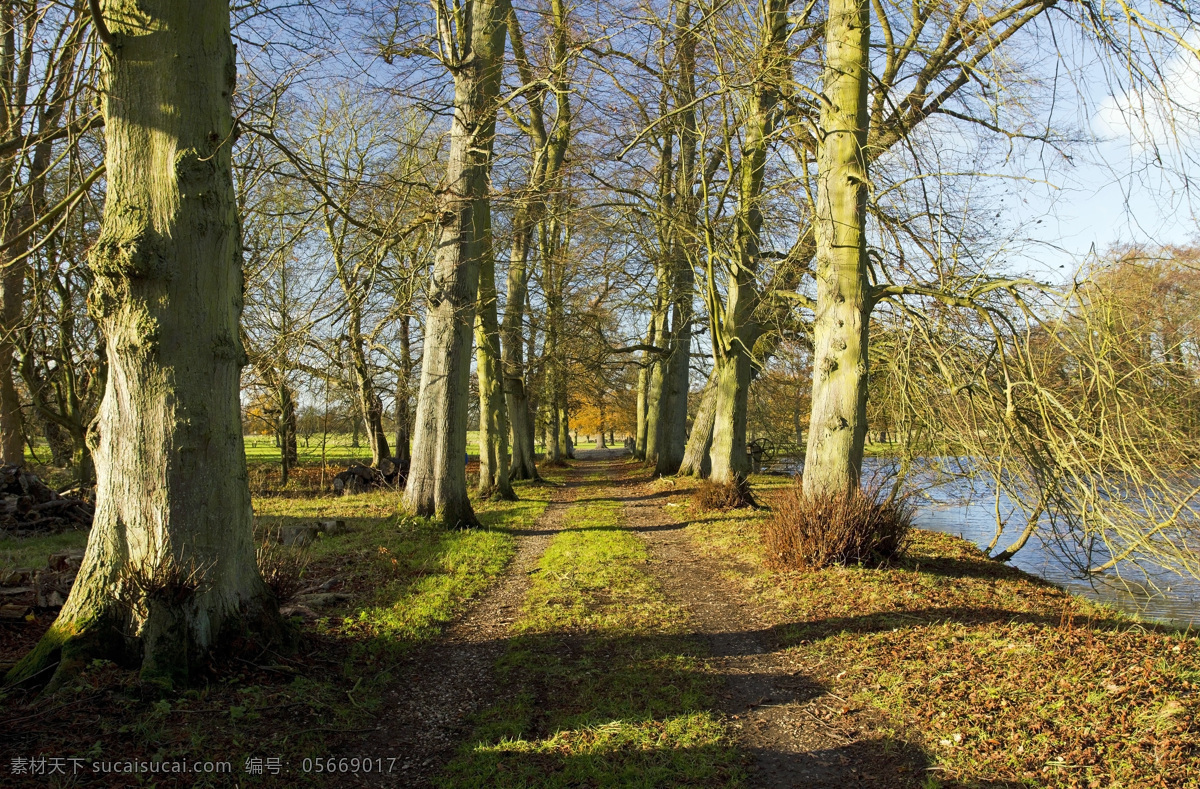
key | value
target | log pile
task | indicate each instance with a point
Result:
(28, 506)
(22, 590)
(359, 478)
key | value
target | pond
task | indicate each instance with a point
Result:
(965, 509)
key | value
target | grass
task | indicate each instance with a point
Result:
(1000, 678)
(606, 688)
(32, 552)
(405, 579)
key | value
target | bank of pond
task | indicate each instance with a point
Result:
(966, 506)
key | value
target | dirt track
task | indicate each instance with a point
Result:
(791, 729)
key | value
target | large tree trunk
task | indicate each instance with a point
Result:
(838, 426)
(736, 331)
(437, 480)
(493, 412)
(672, 418)
(548, 151)
(656, 376)
(682, 238)
(170, 566)
(696, 462)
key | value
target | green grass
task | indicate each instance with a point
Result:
(405, 578)
(32, 552)
(606, 689)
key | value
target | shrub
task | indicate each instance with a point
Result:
(712, 495)
(282, 569)
(835, 528)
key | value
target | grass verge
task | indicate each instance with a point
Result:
(606, 688)
(396, 582)
(1000, 678)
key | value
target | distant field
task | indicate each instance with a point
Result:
(262, 449)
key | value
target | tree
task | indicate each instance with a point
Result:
(170, 570)
(548, 150)
(44, 102)
(734, 329)
(838, 424)
(472, 46)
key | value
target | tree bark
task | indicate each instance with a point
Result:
(370, 404)
(403, 398)
(736, 331)
(681, 240)
(12, 423)
(696, 461)
(524, 461)
(437, 480)
(656, 376)
(493, 411)
(676, 369)
(170, 566)
(838, 425)
(643, 392)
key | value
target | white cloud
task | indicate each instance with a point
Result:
(1164, 115)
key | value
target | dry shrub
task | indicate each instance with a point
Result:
(835, 528)
(164, 578)
(712, 495)
(282, 569)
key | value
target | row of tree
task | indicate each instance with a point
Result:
(676, 190)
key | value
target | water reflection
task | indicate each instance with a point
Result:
(966, 509)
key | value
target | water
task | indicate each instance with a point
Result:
(1151, 592)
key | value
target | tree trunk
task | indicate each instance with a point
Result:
(12, 424)
(643, 392)
(493, 412)
(672, 412)
(285, 429)
(696, 462)
(656, 380)
(524, 461)
(837, 428)
(736, 331)
(437, 480)
(564, 422)
(681, 239)
(370, 405)
(170, 568)
(403, 398)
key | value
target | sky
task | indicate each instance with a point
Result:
(1130, 186)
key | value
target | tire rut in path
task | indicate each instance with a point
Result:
(439, 686)
(792, 726)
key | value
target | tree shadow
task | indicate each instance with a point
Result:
(595, 709)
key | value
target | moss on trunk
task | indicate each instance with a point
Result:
(170, 569)
(838, 426)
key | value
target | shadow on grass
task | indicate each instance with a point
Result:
(645, 710)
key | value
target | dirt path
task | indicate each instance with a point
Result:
(798, 733)
(441, 685)
(794, 731)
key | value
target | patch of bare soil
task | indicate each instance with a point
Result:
(798, 732)
(439, 686)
